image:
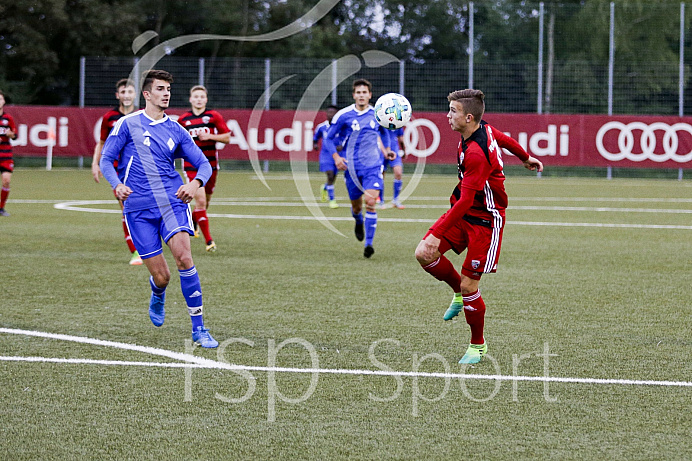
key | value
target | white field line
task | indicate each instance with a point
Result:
(78, 205)
(199, 362)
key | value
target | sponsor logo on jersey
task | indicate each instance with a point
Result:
(372, 124)
(170, 143)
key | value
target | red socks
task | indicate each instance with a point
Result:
(3, 196)
(128, 239)
(200, 216)
(474, 311)
(443, 270)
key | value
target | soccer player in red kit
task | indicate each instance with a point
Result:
(125, 94)
(477, 216)
(8, 130)
(207, 127)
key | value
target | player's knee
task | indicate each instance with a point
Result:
(468, 285)
(162, 279)
(420, 255)
(184, 261)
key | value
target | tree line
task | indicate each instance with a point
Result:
(41, 41)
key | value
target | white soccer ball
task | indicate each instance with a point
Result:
(392, 111)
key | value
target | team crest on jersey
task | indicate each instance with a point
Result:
(475, 264)
(205, 119)
(188, 123)
(355, 126)
(5, 122)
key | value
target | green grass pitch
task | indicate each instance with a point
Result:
(607, 294)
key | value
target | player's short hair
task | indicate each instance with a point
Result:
(199, 87)
(332, 106)
(124, 82)
(362, 82)
(473, 101)
(152, 75)
(2, 93)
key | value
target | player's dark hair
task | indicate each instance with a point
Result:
(124, 82)
(362, 82)
(473, 102)
(332, 106)
(2, 93)
(199, 87)
(152, 75)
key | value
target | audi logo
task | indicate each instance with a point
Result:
(647, 142)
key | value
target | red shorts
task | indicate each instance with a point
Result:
(7, 165)
(483, 244)
(209, 186)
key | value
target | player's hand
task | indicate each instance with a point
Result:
(122, 192)
(340, 163)
(186, 192)
(390, 154)
(532, 163)
(203, 136)
(11, 134)
(402, 154)
(429, 247)
(95, 171)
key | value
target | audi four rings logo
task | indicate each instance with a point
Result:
(647, 141)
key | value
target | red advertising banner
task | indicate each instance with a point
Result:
(561, 140)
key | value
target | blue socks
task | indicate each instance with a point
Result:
(358, 217)
(330, 191)
(156, 290)
(397, 188)
(192, 291)
(370, 227)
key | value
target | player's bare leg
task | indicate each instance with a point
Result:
(398, 171)
(200, 217)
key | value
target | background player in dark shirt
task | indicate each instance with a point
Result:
(8, 130)
(207, 127)
(125, 94)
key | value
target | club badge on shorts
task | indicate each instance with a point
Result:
(475, 264)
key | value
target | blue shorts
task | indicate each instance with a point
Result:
(370, 178)
(148, 227)
(393, 163)
(327, 163)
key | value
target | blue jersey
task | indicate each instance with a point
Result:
(146, 150)
(362, 133)
(394, 138)
(321, 133)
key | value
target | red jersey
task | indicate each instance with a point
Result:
(481, 179)
(6, 124)
(108, 122)
(209, 121)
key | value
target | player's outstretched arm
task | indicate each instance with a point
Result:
(95, 169)
(533, 164)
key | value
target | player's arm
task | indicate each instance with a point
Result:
(330, 142)
(223, 134)
(96, 159)
(401, 145)
(509, 143)
(11, 128)
(385, 141)
(193, 154)
(476, 174)
(111, 150)
(316, 138)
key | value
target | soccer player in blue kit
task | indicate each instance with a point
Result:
(327, 164)
(360, 158)
(155, 199)
(397, 145)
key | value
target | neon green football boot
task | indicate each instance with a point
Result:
(474, 353)
(454, 308)
(324, 195)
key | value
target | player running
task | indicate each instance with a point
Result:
(396, 142)
(147, 142)
(207, 127)
(360, 158)
(477, 217)
(125, 94)
(327, 164)
(8, 130)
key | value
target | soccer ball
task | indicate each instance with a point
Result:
(392, 111)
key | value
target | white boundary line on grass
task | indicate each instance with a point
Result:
(200, 362)
(78, 205)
